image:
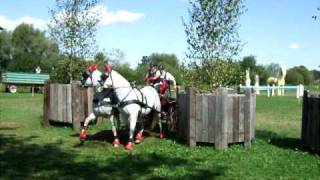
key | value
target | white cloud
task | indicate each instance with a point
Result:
(10, 24)
(114, 17)
(107, 18)
(294, 46)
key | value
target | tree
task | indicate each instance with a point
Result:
(299, 75)
(212, 30)
(73, 27)
(212, 74)
(5, 49)
(31, 48)
(249, 62)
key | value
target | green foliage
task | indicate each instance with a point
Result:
(316, 74)
(213, 74)
(101, 59)
(299, 75)
(274, 69)
(141, 71)
(249, 62)
(5, 49)
(127, 72)
(294, 78)
(73, 27)
(60, 74)
(263, 73)
(31, 48)
(212, 30)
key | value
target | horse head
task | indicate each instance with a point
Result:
(92, 76)
(113, 79)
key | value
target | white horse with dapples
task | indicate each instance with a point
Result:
(101, 108)
(133, 104)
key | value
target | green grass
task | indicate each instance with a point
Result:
(30, 151)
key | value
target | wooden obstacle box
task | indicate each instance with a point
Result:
(218, 118)
(310, 133)
(66, 103)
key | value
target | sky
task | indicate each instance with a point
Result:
(275, 31)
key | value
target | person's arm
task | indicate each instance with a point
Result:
(171, 78)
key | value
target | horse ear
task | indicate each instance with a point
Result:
(107, 68)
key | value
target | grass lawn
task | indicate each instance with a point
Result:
(30, 151)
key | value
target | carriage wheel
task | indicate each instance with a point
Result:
(172, 119)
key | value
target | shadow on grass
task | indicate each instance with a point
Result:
(22, 159)
(280, 141)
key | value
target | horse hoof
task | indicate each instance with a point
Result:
(116, 143)
(83, 134)
(162, 136)
(137, 141)
(138, 138)
(129, 146)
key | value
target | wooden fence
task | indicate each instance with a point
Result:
(310, 132)
(66, 103)
(218, 118)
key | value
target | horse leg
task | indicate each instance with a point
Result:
(132, 123)
(116, 141)
(84, 130)
(162, 136)
(139, 136)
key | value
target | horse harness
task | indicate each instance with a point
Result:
(122, 103)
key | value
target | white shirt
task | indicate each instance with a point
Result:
(167, 76)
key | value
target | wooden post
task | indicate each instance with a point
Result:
(76, 106)
(46, 104)
(191, 101)
(247, 118)
(221, 126)
(304, 117)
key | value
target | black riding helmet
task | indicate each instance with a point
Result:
(161, 67)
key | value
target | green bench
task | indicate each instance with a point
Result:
(13, 79)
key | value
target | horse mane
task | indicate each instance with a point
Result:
(119, 80)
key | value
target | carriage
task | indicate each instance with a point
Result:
(168, 110)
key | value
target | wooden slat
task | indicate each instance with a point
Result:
(220, 120)
(90, 100)
(51, 102)
(314, 115)
(55, 103)
(191, 116)
(211, 117)
(183, 120)
(241, 118)
(76, 116)
(59, 103)
(247, 118)
(304, 118)
(253, 119)
(199, 120)
(229, 119)
(46, 104)
(235, 119)
(205, 118)
(69, 104)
